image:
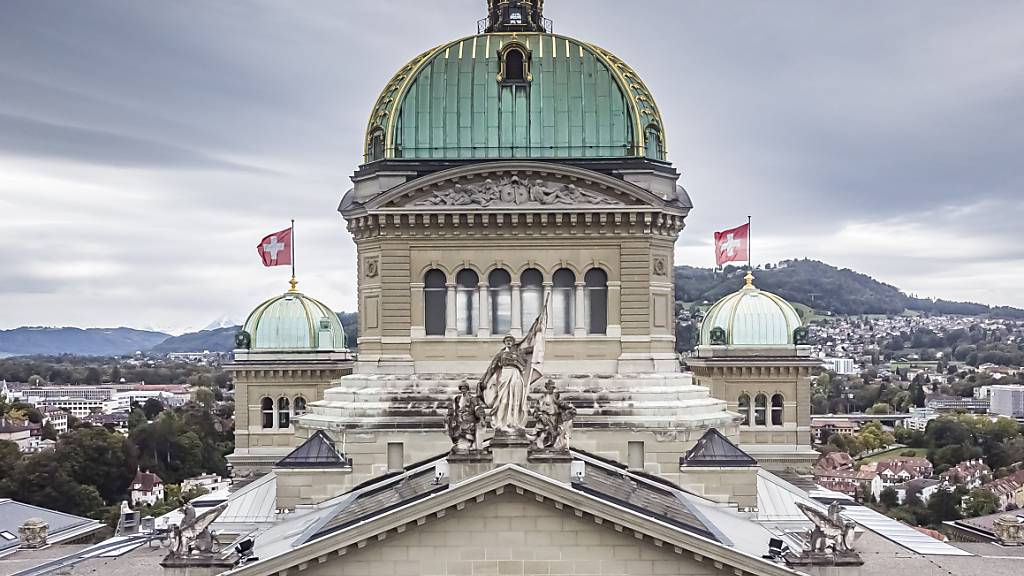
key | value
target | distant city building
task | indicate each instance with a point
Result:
(1007, 400)
(901, 469)
(1009, 490)
(923, 488)
(920, 417)
(844, 366)
(823, 428)
(55, 417)
(18, 432)
(943, 403)
(968, 473)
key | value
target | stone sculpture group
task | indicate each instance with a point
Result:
(514, 191)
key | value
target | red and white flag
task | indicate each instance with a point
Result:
(732, 245)
(276, 249)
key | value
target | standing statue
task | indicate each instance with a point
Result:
(504, 387)
(466, 415)
(192, 534)
(554, 420)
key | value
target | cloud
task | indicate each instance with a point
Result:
(146, 147)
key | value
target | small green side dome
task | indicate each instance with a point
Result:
(751, 317)
(293, 322)
(507, 95)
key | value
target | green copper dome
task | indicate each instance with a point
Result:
(294, 322)
(751, 317)
(515, 95)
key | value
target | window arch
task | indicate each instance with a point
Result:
(299, 407)
(500, 287)
(655, 147)
(467, 307)
(283, 413)
(743, 405)
(563, 301)
(760, 407)
(267, 409)
(435, 302)
(777, 410)
(531, 295)
(375, 150)
(596, 301)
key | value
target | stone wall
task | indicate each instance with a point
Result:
(512, 535)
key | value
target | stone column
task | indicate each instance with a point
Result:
(451, 318)
(276, 413)
(517, 311)
(484, 324)
(580, 326)
(549, 324)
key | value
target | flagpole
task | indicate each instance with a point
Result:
(293, 282)
(750, 268)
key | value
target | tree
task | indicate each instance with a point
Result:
(980, 502)
(942, 506)
(115, 374)
(92, 376)
(205, 398)
(49, 432)
(152, 408)
(889, 498)
(10, 455)
(136, 418)
(45, 480)
(880, 408)
(97, 457)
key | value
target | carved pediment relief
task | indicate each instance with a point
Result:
(511, 192)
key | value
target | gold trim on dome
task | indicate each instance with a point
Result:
(636, 93)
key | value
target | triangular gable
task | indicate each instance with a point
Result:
(534, 488)
(714, 449)
(516, 185)
(316, 452)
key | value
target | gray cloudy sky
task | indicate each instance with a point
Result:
(146, 147)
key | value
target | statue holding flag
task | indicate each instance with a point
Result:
(505, 385)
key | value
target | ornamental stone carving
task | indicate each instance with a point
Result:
(553, 417)
(515, 191)
(660, 267)
(372, 267)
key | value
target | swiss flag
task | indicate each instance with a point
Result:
(731, 245)
(276, 249)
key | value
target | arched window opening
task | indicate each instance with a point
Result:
(300, 406)
(267, 408)
(515, 66)
(467, 303)
(777, 410)
(283, 414)
(376, 148)
(531, 295)
(596, 301)
(500, 282)
(435, 302)
(655, 148)
(743, 405)
(563, 301)
(760, 406)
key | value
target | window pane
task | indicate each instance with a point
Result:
(435, 302)
(563, 301)
(282, 413)
(531, 295)
(597, 301)
(760, 405)
(777, 410)
(744, 408)
(267, 406)
(514, 65)
(467, 302)
(500, 283)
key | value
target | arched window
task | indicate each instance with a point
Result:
(777, 410)
(500, 282)
(655, 149)
(563, 301)
(515, 66)
(435, 302)
(283, 416)
(760, 406)
(267, 408)
(531, 295)
(596, 301)
(376, 149)
(744, 407)
(467, 304)
(300, 406)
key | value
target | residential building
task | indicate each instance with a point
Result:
(969, 473)
(55, 417)
(920, 417)
(902, 469)
(834, 461)
(843, 366)
(923, 488)
(822, 428)
(146, 488)
(19, 432)
(1009, 490)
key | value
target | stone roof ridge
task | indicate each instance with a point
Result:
(714, 449)
(316, 452)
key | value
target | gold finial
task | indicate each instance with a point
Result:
(750, 279)
(294, 283)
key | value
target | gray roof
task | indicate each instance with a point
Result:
(714, 449)
(316, 452)
(61, 526)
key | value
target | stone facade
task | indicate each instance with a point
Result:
(781, 376)
(512, 535)
(289, 381)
